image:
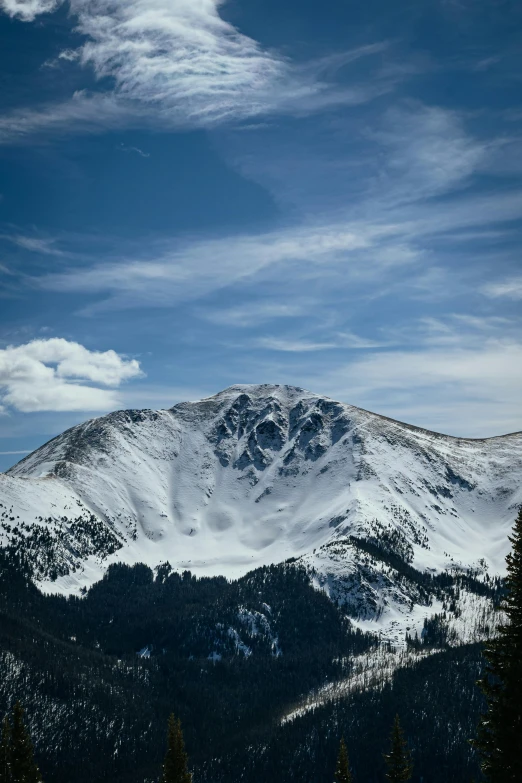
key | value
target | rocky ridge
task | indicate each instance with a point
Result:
(394, 522)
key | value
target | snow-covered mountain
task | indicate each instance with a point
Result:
(260, 474)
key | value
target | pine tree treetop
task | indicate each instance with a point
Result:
(342, 770)
(175, 765)
(398, 760)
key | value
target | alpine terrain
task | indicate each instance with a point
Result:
(394, 523)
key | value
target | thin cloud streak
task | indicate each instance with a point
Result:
(292, 346)
(196, 269)
(509, 289)
(39, 245)
(297, 345)
(254, 313)
(365, 251)
(84, 112)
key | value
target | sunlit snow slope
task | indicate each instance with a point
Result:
(256, 475)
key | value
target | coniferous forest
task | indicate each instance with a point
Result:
(100, 675)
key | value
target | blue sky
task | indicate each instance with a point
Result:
(197, 193)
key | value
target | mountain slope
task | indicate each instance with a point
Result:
(259, 474)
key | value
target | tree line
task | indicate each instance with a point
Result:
(499, 736)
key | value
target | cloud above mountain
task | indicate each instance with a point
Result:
(58, 375)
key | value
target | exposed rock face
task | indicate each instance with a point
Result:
(259, 474)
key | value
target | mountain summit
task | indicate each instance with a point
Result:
(256, 475)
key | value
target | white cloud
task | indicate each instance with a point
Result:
(489, 371)
(195, 269)
(355, 341)
(180, 55)
(461, 375)
(90, 113)
(141, 153)
(35, 244)
(69, 55)
(298, 345)
(429, 150)
(53, 375)
(254, 313)
(510, 289)
(392, 247)
(292, 346)
(181, 59)
(28, 10)
(65, 56)
(406, 154)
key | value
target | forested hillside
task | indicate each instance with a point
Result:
(99, 676)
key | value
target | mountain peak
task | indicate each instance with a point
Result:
(257, 474)
(284, 393)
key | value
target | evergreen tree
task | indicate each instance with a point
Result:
(398, 761)
(342, 770)
(500, 732)
(5, 752)
(175, 766)
(23, 766)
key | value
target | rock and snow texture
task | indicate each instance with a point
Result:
(256, 475)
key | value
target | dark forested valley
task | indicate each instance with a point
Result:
(99, 675)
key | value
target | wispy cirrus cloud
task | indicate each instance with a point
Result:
(135, 150)
(429, 150)
(178, 55)
(35, 244)
(460, 374)
(346, 340)
(183, 61)
(509, 289)
(293, 346)
(84, 112)
(28, 10)
(59, 375)
(410, 152)
(191, 270)
(393, 249)
(255, 313)
(487, 378)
